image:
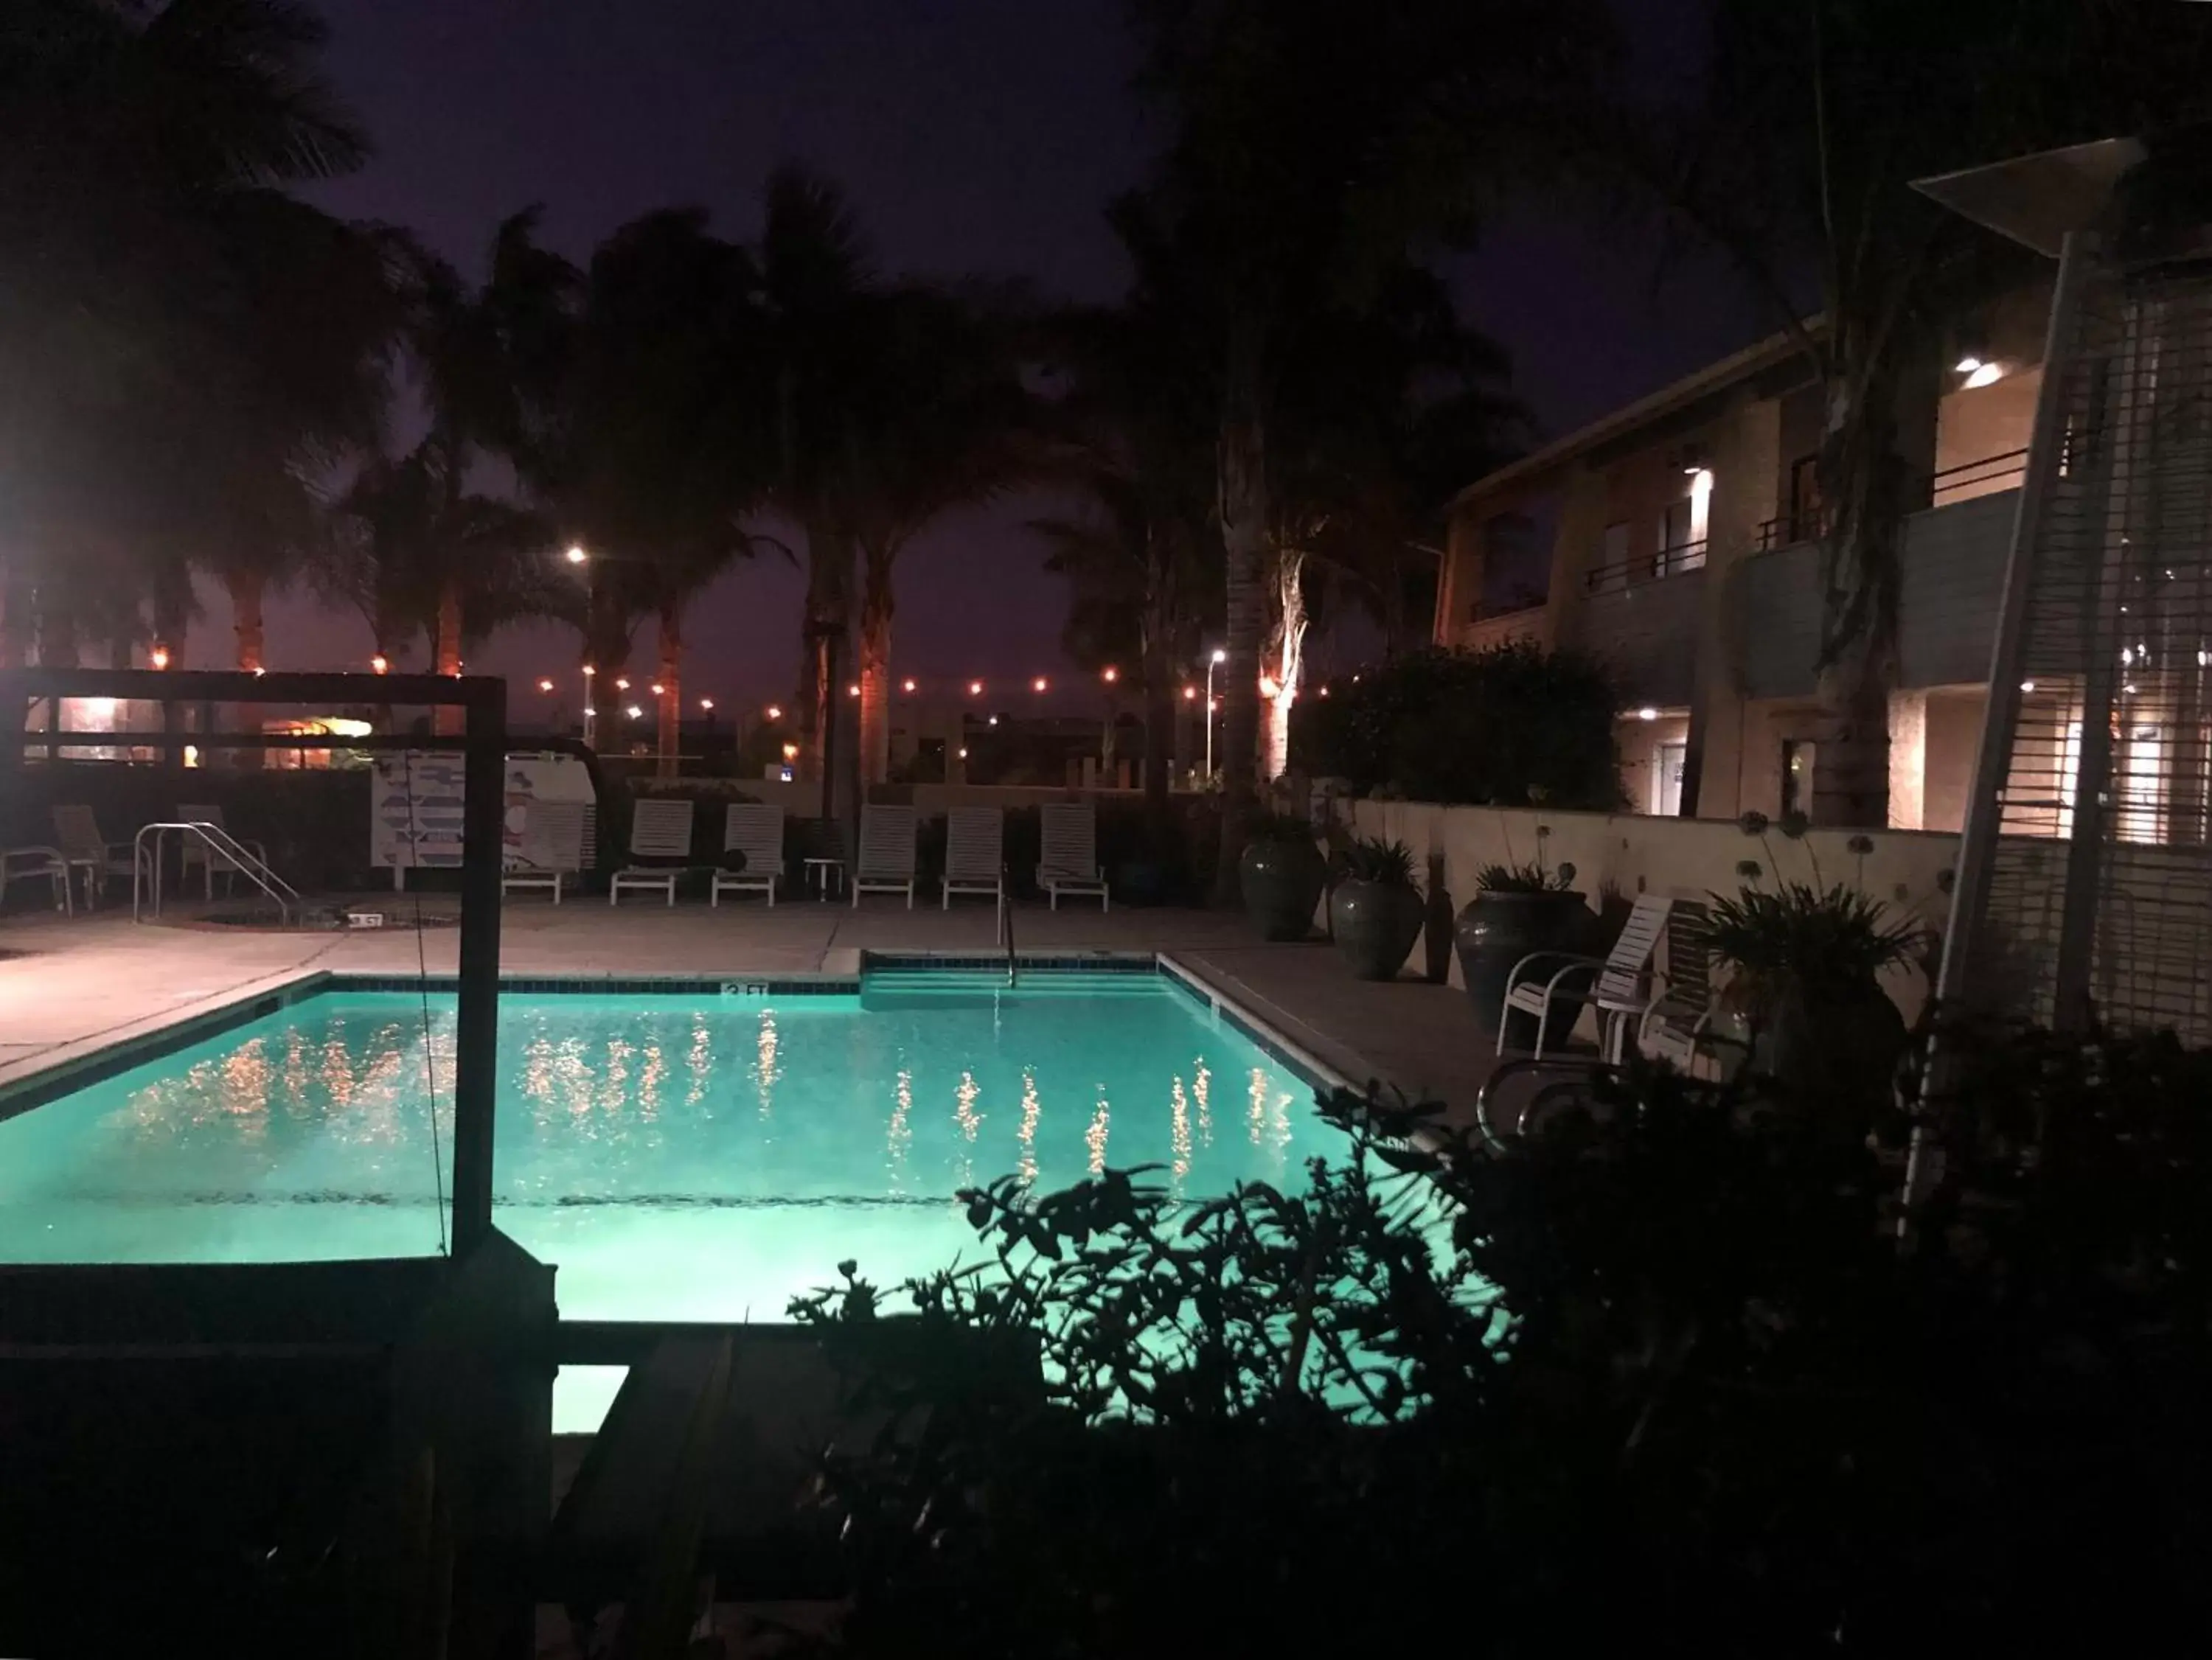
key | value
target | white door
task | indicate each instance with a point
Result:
(1667, 780)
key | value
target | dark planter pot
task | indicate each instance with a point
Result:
(1282, 882)
(1376, 924)
(1840, 1044)
(1496, 931)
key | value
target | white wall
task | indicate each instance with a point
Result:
(1688, 859)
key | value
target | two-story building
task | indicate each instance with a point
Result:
(1675, 540)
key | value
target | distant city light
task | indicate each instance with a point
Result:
(964, 755)
(379, 663)
(853, 690)
(1110, 674)
(590, 714)
(707, 704)
(1324, 691)
(589, 671)
(2029, 685)
(975, 688)
(577, 555)
(544, 685)
(258, 671)
(791, 751)
(1039, 684)
(1190, 695)
(906, 685)
(659, 690)
(621, 683)
(776, 711)
(1647, 713)
(159, 657)
(994, 720)
(633, 711)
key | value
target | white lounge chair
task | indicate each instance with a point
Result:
(213, 861)
(83, 848)
(1068, 861)
(658, 830)
(564, 831)
(887, 851)
(975, 852)
(756, 831)
(1620, 987)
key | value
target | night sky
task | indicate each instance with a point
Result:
(972, 135)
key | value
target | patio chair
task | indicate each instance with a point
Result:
(1678, 1026)
(1067, 861)
(565, 829)
(29, 863)
(1619, 986)
(887, 853)
(756, 831)
(658, 830)
(213, 861)
(975, 852)
(83, 848)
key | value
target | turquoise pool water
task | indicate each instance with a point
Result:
(689, 1157)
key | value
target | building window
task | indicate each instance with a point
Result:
(1616, 546)
(1804, 497)
(1797, 776)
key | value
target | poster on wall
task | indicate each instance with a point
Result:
(416, 809)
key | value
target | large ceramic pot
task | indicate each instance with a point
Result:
(1840, 1043)
(1496, 931)
(1282, 882)
(1376, 924)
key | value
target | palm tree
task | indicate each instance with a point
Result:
(1817, 116)
(660, 451)
(182, 345)
(820, 301)
(1129, 437)
(943, 425)
(1315, 143)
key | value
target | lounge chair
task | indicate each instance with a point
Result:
(887, 853)
(975, 852)
(564, 831)
(25, 863)
(1620, 987)
(1678, 1026)
(1068, 859)
(756, 831)
(658, 830)
(83, 848)
(214, 861)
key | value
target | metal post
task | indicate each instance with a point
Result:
(475, 1075)
(1209, 720)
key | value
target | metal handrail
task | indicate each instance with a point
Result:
(221, 842)
(1007, 932)
(1569, 1067)
(1629, 573)
(1810, 524)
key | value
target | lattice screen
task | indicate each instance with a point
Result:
(2084, 887)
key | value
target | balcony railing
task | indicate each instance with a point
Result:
(1646, 567)
(1958, 483)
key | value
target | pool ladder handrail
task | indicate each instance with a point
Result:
(219, 841)
(1006, 931)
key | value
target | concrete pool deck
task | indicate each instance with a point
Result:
(70, 987)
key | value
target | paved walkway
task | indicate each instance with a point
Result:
(71, 987)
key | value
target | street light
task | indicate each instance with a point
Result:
(159, 657)
(577, 555)
(1213, 663)
(853, 690)
(975, 688)
(659, 690)
(707, 704)
(621, 683)
(544, 685)
(1110, 674)
(633, 711)
(775, 711)
(907, 686)
(379, 663)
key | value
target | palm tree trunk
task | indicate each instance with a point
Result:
(446, 652)
(825, 622)
(1242, 482)
(668, 720)
(1284, 663)
(875, 673)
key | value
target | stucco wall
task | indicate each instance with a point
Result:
(1689, 858)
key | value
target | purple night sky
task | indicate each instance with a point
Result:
(973, 135)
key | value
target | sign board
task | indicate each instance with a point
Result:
(415, 808)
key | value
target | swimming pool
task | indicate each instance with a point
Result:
(698, 1154)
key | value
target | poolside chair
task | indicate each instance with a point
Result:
(1678, 1026)
(975, 852)
(83, 848)
(26, 863)
(1068, 859)
(213, 861)
(756, 831)
(1620, 987)
(564, 831)
(887, 853)
(658, 829)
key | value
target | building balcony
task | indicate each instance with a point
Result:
(1485, 632)
(1953, 559)
(1641, 621)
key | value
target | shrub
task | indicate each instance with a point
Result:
(1506, 727)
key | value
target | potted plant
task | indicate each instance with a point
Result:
(1517, 910)
(1375, 909)
(1804, 961)
(1282, 873)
